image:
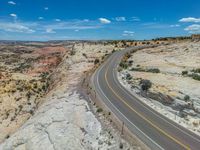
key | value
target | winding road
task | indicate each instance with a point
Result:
(154, 129)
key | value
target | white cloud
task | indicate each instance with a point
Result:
(190, 19)
(15, 27)
(135, 19)
(195, 28)
(58, 20)
(128, 33)
(11, 3)
(49, 30)
(72, 25)
(120, 19)
(104, 21)
(86, 20)
(174, 25)
(13, 15)
(46, 26)
(40, 18)
(46, 8)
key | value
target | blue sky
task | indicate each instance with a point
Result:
(97, 19)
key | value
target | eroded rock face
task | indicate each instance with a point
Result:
(24, 79)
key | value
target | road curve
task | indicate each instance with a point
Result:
(154, 129)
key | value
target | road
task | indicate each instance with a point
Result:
(154, 129)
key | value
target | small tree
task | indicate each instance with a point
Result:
(145, 85)
(128, 76)
(130, 62)
(184, 73)
(96, 61)
(99, 110)
(186, 98)
(84, 55)
(123, 64)
(72, 52)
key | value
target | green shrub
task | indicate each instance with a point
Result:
(137, 69)
(196, 70)
(121, 146)
(195, 76)
(96, 61)
(186, 98)
(84, 55)
(130, 62)
(99, 110)
(128, 76)
(44, 87)
(153, 70)
(184, 73)
(123, 64)
(128, 55)
(145, 85)
(72, 52)
(113, 50)
(44, 75)
(28, 95)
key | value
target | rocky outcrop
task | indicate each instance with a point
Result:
(65, 122)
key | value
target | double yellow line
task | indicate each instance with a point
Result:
(143, 117)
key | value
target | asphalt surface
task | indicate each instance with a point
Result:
(154, 129)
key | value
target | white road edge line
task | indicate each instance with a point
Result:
(123, 114)
(141, 103)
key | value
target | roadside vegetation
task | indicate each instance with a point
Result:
(194, 74)
(152, 70)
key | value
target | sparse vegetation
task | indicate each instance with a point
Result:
(184, 73)
(137, 69)
(196, 70)
(121, 145)
(123, 65)
(145, 85)
(96, 61)
(128, 76)
(130, 62)
(72, 52)
(84, 55)
(99, 110)
(153, 70)
(186, 98)
(24, 75)
(195, 76)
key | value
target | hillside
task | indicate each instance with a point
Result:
(172, 74)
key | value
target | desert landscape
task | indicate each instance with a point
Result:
(24, 80)
(46, 101)
(42, 104)
(99, 75)
(167, 79)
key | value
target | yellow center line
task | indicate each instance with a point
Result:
(143, 117)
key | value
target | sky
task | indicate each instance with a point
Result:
(42, 20)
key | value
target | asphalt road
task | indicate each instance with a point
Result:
(154, 129)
